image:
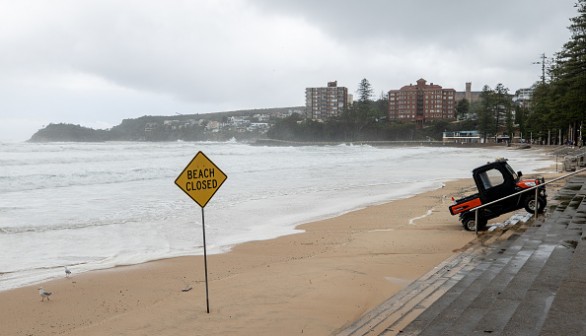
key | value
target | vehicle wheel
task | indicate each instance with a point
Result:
(530, 204)
(469, 224)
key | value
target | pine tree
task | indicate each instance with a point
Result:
(569, 74)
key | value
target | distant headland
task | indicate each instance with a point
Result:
(271, 126)
(244, 125)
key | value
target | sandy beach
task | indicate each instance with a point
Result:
(313, 283)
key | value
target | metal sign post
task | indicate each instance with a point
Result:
(205, 259)
(200, 180)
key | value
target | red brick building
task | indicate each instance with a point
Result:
(422, 103)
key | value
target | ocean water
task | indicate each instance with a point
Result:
(99, 205)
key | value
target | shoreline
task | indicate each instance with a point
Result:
(315, 281)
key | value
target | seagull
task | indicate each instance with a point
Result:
(44, 294)
(67, 272)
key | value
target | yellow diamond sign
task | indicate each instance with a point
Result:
(201, 179)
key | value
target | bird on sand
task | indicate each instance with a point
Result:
(44, 294)
(67, 272)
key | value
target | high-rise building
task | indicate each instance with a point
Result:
(322, 103)
(422, 103)
(522, 97)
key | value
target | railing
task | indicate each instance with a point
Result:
(522, 192)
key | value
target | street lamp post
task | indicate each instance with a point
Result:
(542, 62)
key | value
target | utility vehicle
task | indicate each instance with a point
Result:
(496, 180)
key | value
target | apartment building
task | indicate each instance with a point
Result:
(523, 97)
(422, 102)
(322, 103)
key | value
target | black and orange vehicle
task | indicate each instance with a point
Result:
(494, 181)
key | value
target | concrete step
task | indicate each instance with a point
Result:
(532, 311)
(495, 313)
(469, 307)
(567, 314)
(492, 274)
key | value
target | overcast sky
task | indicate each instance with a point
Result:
(95, 63)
